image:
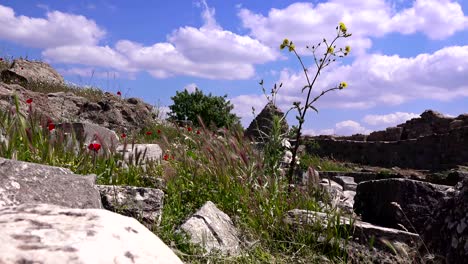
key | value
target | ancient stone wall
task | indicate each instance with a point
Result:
(436, 151)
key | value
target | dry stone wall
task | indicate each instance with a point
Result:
(431, 142)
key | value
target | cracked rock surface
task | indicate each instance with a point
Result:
(212, 229)
(44, 233)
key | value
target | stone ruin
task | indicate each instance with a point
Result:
(262, 124)
(432, 141)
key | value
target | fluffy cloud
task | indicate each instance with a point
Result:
(164, 59)
(389, 119)
(56, 29)
(386, 80)
(343, 128)
(350, 127)
(437, 19)
(208, 52)
(101, 56)
(243, 106)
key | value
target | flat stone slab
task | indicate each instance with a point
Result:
(361, 231)
(140, 153)
(25, 182)
(212, 229)
(44, 233)
(347, 182)
(143, 204)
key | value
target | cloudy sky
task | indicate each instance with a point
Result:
(407, 56)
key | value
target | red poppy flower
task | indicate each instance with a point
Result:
(29, 101)
(189, 129)
(149, 133)
(166, 157)
(123, 135)
(119, 93)
(94, 146)
(198, 132)
(51, 126)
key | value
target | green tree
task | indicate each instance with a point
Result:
(215, 111)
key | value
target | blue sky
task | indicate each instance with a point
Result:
(406, 57)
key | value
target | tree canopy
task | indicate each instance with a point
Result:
(215, 111)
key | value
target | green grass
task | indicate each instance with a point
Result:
(322, 164)
(221, 167)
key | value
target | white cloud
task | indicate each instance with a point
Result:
(56, 29)
(437, 19)
(350, 127)
(388, 120)
(190, 87)
(375, 80)
(208, 52)
(103, 56)
(307, 24)
(243, 107)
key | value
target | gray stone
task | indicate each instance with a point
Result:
(260, 128)
(143, 204)
(446, 232)
(88, 133)
(24, 71)
(107, 110)
(339, 198)
(347, 182)
(24, 182)
(140, 153)
(306, 178)
(44, 233)
(399, 202)
(212, 229)
(360, 231)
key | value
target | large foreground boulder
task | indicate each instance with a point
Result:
(42, 233)
(399, 203)
(25, 182)
(446, 232)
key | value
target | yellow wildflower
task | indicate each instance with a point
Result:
(343, 85)
(330, 49)
(285, 42)
(292, 47)
(347, 49)
(343, 27)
